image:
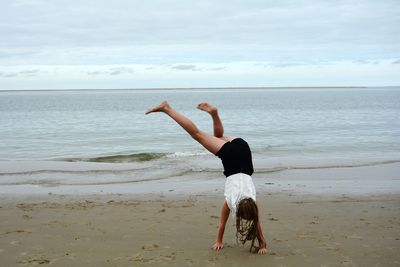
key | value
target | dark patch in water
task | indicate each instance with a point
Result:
(139, 157)
(129, 158)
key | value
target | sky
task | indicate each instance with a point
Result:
(60, 44)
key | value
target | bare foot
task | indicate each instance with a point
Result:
(207, 108)
(159, 108)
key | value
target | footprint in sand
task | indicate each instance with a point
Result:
(189, 262)
(150, 247)
(26, 217)
(346, 261)
(138, 257)
(17, 231)
(26, 207)
(168, 257)
(14, 242)
(278, 240)
(355, 237)
(34, 260)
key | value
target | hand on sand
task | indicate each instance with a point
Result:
(217, 246)
(262, 249)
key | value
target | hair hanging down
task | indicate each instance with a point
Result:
(246, 221)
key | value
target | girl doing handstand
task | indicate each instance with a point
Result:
(240, 194)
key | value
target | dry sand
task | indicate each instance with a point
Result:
(154, 230)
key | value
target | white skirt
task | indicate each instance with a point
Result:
(237, 187)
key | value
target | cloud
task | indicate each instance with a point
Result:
(95, 72)
(22, 73)
(110, 71)
(216, 68)
(340, 73)
(120, 70)
(29, 72)
(190, 67)
(204, 67)
(127, 32)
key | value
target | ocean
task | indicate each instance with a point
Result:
(99, 137)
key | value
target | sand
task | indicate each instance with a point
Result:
(178, 230)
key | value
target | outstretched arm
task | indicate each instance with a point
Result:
(262, 243)
(221, 228)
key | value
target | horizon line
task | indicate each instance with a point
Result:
(197, 88)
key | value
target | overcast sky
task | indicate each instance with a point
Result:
(58, 44)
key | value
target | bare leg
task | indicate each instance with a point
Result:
(217, 124)
(213, 111)
(209, 142)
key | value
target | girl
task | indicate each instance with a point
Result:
(240, 194)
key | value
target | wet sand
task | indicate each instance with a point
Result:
(178, 230)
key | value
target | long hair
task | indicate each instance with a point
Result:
(246, 221)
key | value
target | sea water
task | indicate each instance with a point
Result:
(55, 138)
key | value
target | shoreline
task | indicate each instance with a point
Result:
(362, 180)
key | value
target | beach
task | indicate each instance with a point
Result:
(86, 179)
(305, 224)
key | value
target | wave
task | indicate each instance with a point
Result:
(332, 166)
(58, 182)
(104, 171)
(137, 157)
(187, 154)
(187, 170)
